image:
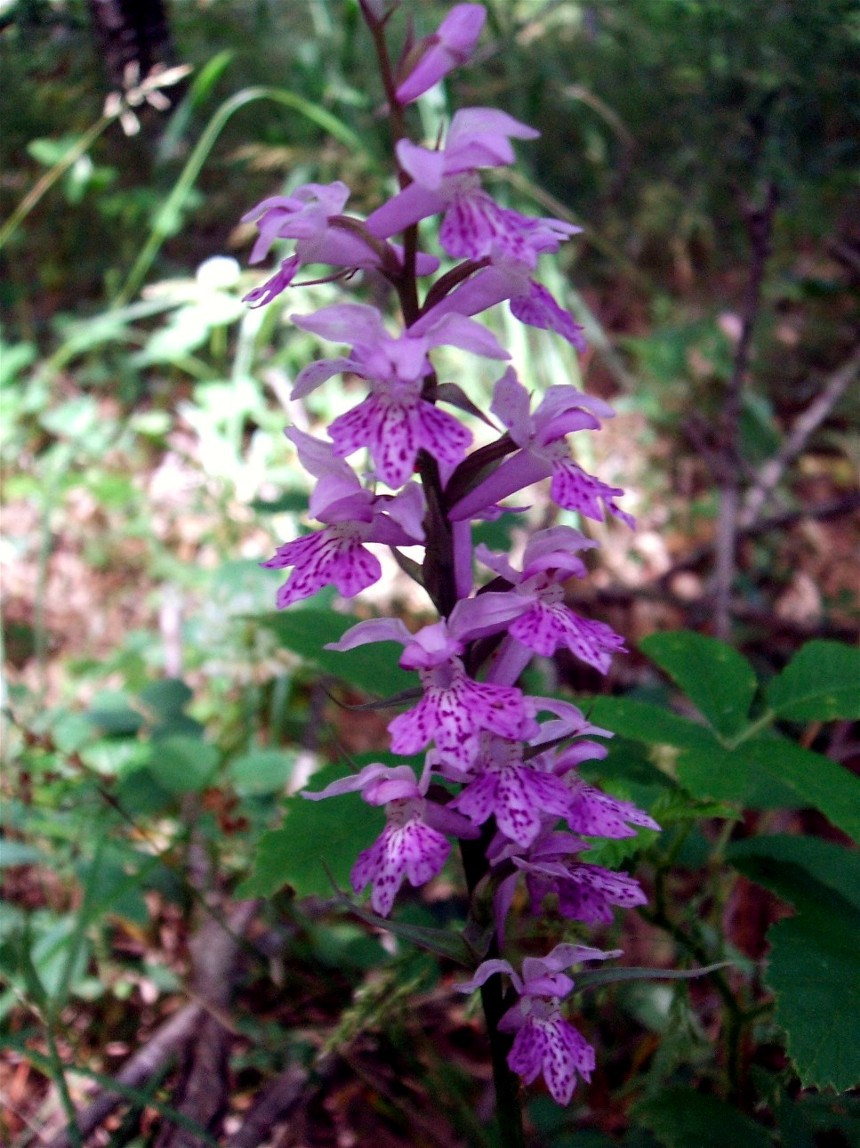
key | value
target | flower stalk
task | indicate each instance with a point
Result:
(483, 762)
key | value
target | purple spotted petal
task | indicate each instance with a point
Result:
(475, 227)
(548, 625)
(551, 1046)
(594, 813)
(333, 556)
(412, 850)
(588, 892)
(394, 428)
(574, 489)
(453, 716)
(518, 796)
(539, 309)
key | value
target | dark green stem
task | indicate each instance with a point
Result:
(736, 1016)
(509, 1111)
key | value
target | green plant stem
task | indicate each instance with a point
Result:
(59, 1074)
(42, 186)
(760, 723)
(736, 1016)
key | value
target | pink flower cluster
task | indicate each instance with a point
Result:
(499, 765)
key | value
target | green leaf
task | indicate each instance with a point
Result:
(596, 978)
(645, 722)
(315, 837)
(728, 775)
(805, 1121)
(182, 764)
(372, 669)
(812, 967)
(813, 971)
(442, 942)
(717, 679)
(796, 868)
(166, 698)
(820, 683)
(682, 1117)
(262, 771)
(816, 780)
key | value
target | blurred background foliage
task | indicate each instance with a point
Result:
(156, 714)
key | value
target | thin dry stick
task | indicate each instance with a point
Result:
(819, 512)
(203, 1093)
(759, 227)
(806, 423)
(146, 1063)
(218, 948)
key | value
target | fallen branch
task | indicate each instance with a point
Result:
(203, 1092)
(772, 471)
(216, 951)
(147, 1062)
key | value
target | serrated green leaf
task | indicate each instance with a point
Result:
(816, 780)
(820, 683)
(806, 1121)
(813, 971)
(316, 836)
(372, 669)
(682, 1118)
(645, 722)
(716, 678)
(728, 775)
(813, 957)
(796, 868)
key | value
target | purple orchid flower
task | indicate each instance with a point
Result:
(509, 280)
(395, 421)
(586, 892)
(518, 794)
(455, 709)
(593, 813)
(545, 1043)
(449, 46)
(543, 451)
(412, 845)
(354, 516)
(545, 622)
(311, 215)
(445, 179)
